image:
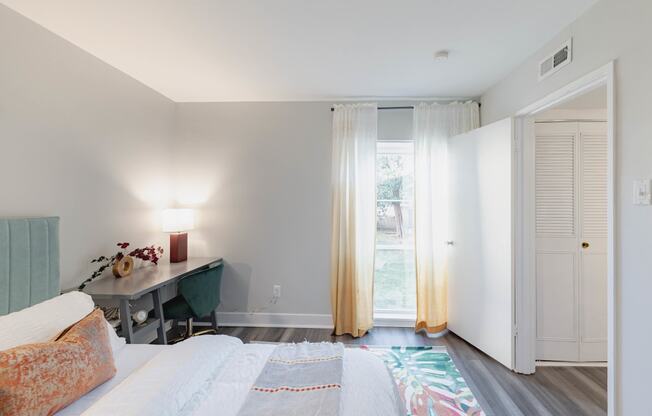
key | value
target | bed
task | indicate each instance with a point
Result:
(367, 387)
(205, 375)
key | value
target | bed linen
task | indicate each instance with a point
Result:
(297, 380)
(367, 388)
(163, 384)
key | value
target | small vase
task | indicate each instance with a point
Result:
(123, 267)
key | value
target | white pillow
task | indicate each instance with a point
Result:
(116, 342)
(46, 320)
(43, 321)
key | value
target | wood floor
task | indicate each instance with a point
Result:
(552, 391)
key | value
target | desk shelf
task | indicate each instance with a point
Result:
(139, 331)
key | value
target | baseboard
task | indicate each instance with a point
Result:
(394, 322)
(275, 320)
(570, 364)
(295, 320)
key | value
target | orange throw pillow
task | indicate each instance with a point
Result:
(40, 379)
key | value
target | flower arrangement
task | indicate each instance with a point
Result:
(151, 254)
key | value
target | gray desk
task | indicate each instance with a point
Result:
(149, 279)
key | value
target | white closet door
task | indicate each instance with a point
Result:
(570, 179)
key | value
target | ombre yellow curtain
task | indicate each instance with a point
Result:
(433, 125)
(353, 217)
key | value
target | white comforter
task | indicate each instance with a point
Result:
(211, 375)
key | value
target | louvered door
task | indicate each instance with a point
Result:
(556, 243)
(571, 207)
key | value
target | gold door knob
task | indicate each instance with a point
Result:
(585, 244)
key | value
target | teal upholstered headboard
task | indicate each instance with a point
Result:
(29, 262)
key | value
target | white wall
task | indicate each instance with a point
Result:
(79, 140)
(620, 30)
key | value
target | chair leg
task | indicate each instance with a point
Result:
(189, 331)
(179, 336)
(213, 329)
(204, 332)
(214, 320)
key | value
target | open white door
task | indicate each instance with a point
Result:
(480, 288)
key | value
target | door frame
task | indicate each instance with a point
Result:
(525, 279)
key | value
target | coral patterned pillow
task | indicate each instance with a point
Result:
(40, 379)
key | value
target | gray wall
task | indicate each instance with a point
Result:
(259, 174)
(80, 140)
(620, 30)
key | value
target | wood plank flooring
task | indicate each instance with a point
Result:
(552, 391)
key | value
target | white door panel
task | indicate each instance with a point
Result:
(593, 295)
(480, 290)
(557, 270)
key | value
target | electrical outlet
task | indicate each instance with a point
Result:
(277, 291)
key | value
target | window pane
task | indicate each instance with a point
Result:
(395, 274)
(394, 177)
(395, 224)
(395, 285)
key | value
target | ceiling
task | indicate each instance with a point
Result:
(289, 50)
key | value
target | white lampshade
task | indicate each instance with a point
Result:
(176, 220)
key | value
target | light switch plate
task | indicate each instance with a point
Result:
(642, 194)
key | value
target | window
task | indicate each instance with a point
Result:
(395, 272)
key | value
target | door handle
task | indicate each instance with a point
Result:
(449, 243)
(585, 244)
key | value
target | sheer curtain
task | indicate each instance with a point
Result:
(433, 124)
(353, 217)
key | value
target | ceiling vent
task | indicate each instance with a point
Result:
(556, 61)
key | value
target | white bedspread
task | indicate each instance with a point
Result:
(211, 375)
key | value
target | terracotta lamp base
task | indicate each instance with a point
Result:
(178, 247)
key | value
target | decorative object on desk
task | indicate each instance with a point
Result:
(139, 317)
(176, 222)
(149, 253)
(123, 267)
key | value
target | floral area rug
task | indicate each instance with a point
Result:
(428, 381)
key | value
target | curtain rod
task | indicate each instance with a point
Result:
(407, 107)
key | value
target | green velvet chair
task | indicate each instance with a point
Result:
(199, 297)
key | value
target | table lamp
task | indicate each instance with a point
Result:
(176, 222)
